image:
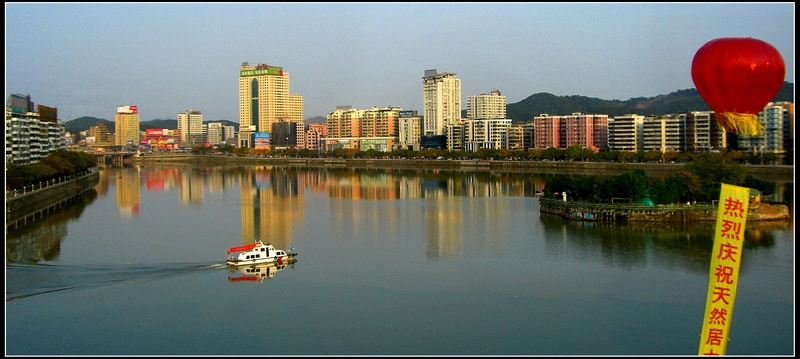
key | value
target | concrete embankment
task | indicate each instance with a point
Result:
(771, 173)
(23, 205)
(641, 213)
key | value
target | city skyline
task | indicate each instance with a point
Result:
(87, 59)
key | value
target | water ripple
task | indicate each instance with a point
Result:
(26, 280)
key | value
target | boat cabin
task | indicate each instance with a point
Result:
(261, 251)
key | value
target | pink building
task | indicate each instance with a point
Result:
(546, 131)
(316, 132)
(590, 131)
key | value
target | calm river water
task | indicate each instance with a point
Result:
(389, 262)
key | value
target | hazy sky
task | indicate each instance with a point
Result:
(87, 59)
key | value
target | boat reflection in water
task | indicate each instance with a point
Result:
(259, 272)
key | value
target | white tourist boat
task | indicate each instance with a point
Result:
(258, 253)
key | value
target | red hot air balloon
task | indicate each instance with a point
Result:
(738, 77)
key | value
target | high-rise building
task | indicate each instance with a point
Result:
(100, 134)
(376, 128)
(488, 133)
(31, 135)
(547, 131)
(625, 133)
(380, 122)
(214, 134)
(564, 131)
(673, 137)
(344, 123)
(126, 126)
(409, 130)
(288, 134)
(778, 121)
(788, 131)
(314, 135)
(300, 132)
(264, 98)
(441, 99)
(699, 126)
(229, 135)
(486, 106)
(583, 129)
(654, 133)
(516, 137)
(190, 124)
(528, 135)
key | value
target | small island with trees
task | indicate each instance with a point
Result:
(690, 194)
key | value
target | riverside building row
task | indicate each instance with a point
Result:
(127, 134)
(486, 126)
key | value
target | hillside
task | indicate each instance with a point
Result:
(317, 120)
(675, 102)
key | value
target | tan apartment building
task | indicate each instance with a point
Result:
(264, 98)
(126, 126)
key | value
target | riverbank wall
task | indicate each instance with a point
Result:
(661, 170)
(660, 213)
(20, 206)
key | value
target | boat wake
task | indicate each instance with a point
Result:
(26, 280)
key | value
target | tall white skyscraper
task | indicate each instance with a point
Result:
(441, 101)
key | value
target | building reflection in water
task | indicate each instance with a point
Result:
(160, 179)
(271, 204)
(128, 192)
(192, 186)
(453, 207)
(357, 222)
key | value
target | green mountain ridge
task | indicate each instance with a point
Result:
(680, 101)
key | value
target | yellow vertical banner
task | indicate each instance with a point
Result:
(723, 275)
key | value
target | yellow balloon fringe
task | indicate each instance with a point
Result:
(744, 123)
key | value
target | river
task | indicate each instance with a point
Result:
(390, 262)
